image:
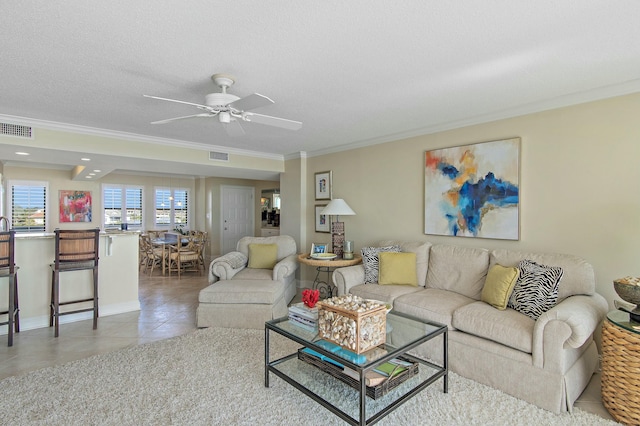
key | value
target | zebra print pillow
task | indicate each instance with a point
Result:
(371, 262)
(536, 290)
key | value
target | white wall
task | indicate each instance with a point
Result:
(579, 186)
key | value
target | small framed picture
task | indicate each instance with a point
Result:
(323, 185)
(322, 220)
(319, 248)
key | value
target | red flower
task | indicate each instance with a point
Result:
(310, 297)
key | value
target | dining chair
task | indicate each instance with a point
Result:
(186, 258)
(152, 254)
(75, 250)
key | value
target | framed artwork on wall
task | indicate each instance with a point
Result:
(75, 206)
(322, 220)
(322, 183)
(473, 190)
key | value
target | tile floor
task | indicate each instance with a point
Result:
(168, 308)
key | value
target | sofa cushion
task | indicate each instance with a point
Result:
(397, 268)
(383, 293)
(536, 290)
(458, 269)
(431, 304)
(254, 274)
(262, 256)
(371, 262)
(507, 327)
(499, 286)
(420, 248)
(578, 275)
(243, 291)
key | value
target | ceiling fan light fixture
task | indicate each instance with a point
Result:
(224, 117)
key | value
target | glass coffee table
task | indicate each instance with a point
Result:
(352, 403)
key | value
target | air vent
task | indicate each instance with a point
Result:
(16, 130)
(218, 156)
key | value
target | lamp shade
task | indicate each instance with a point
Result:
(338, 207)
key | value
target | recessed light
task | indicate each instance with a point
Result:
(97, 171)
(88, 177)
(92, 174)
(22, 153)
(86, 159)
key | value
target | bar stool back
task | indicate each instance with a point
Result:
(75, 250)
(10, 270)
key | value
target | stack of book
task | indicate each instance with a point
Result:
(303, 316)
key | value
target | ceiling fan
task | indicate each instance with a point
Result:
(231, 109)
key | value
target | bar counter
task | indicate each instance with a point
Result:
(117, 279)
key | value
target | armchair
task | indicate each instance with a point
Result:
(233, 265)
(245, 294)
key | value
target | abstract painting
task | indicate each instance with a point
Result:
(75, 206)
(473, 190)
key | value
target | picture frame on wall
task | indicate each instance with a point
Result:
(474, 190)
(75, 206)
(322, 220)
(319, 248)
(322, 184)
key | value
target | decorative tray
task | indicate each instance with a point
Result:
(373, 392)
(324, 256)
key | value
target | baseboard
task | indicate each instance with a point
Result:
(105, 311)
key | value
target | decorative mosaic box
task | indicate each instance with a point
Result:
(352, 322)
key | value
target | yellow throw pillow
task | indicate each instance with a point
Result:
(499, 286)
(397, 268)
(263, 256)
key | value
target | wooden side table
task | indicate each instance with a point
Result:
(327, 266)
(621, 367)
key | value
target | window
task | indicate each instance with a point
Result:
(172, 207)
(122, 204)
(27, 204)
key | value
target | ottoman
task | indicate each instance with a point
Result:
(241, 303)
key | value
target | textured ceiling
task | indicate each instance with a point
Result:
(354, 72)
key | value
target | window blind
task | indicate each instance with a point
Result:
(122, 205)
(28, 207)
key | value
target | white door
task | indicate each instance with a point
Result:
(237, 215)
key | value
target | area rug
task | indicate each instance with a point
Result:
(215, 376)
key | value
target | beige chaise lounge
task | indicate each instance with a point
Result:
(242, 296)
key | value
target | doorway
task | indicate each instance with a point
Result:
(238, 215)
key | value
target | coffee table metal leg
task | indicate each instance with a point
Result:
(363, 399)
(266, 357)
(445, 365)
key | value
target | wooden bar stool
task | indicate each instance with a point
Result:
(10, 270)
(76, 250)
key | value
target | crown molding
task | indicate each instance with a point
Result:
(600, 93)
(114, 134)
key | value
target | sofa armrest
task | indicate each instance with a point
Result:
(225, 267)
(347, 277)
(285, 267)
(569, 324)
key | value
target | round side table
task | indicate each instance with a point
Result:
(621, 367)
(327, 266)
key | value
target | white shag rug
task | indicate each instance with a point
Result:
(215, 376)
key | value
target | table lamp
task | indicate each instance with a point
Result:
(336, 208)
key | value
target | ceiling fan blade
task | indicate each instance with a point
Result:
(168, 120)
(272, 121)
(175, 100)
(250, 102)
(234, 128)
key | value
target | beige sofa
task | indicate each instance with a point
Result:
(547, 362)
(244, 297)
